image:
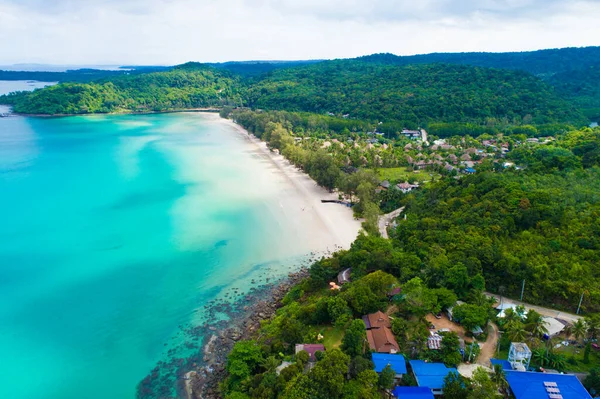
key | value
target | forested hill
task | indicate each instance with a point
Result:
(541, 62)
(540, 225)
(414, 94)
(573, 72)
(187, 86)
(411, 96)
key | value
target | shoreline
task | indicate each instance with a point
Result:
(210, 110)
(331, 226)
(339, 220)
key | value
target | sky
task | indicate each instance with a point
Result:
(168, 32)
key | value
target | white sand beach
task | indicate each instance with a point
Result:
(327, 226)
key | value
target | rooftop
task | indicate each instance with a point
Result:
(530, 385)
(396, 362)
(430, 375)
(382, 340)
(377, 320)
(311, 349)
(412, 393)
(504, 363)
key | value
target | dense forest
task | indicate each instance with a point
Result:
(540, 62)
(77, 75)
(406, 96)
(538, 224)
(573, 72)
(487, 231)
(414, 95)
(187, 86)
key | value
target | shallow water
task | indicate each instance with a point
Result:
(115, 231)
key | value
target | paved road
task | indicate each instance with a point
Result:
(386, 219)
(557, 314)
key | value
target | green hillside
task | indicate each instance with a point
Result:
(415, 94)
(187, 86)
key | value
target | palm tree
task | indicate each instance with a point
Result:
(516, 331)
(535, 324)
(270, 363)
(579, 330)
(568, 332)
(557, 361)
(539, 356)
(499, 378)
(592, 324)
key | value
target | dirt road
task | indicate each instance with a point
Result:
(488, 348)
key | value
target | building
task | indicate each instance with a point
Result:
(449, 311)
(531, 385)
(311, 349)
(344, 276)
(470, 171)
(519, 356)
(395, 361)
(406, 187)
(385, 185)
(434, 342)
(412, 393)
(505, 364)
(379, 333)
(431, 375)
(411, 134)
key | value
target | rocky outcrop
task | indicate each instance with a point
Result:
(203, 382)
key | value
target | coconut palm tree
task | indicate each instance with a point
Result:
(270, 363)
(535, 324)
(579, 330)
(592, 324)
(499, 378)
(568, 332)
(516, 331)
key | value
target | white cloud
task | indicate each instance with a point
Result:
(175, 31)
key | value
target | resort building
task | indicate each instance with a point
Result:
(311, 349)
(431, 375)
(379, 333)
(412, 393)
(531, 385)
(395, 361)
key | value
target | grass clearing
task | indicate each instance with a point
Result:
(401, 174)
(332, 337)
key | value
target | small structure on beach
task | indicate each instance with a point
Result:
(344, 276)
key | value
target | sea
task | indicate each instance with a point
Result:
(115, 232)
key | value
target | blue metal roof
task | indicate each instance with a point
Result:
(504, 363)
(396, 362)
(430, 375)
(412, 393)
(531, 385)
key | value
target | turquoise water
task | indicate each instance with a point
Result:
(114, 233)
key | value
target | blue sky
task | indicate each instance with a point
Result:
(176, 31)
